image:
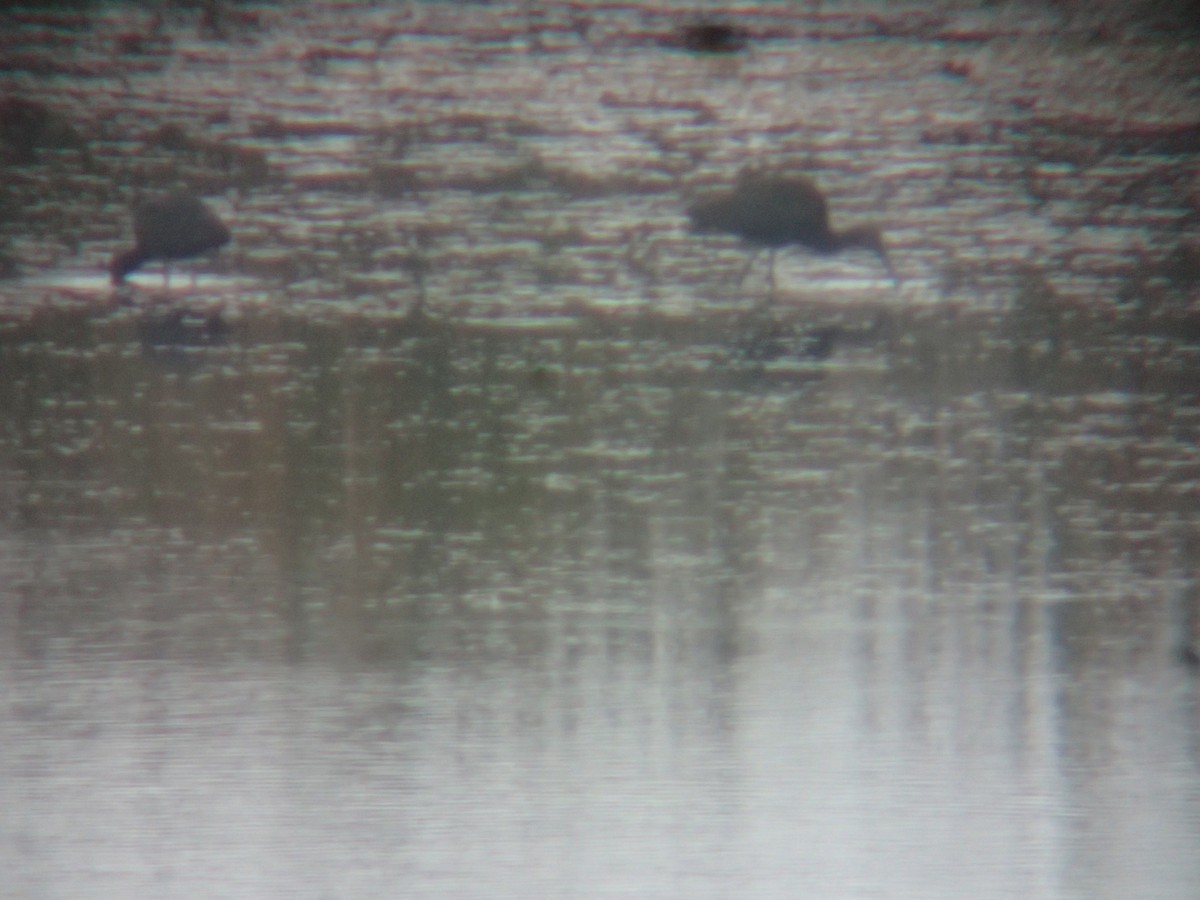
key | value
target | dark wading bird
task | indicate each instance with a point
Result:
(772, 211)
(179, 226)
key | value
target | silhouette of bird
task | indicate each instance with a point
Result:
(178, 226)
(771, 211)
(712, 37)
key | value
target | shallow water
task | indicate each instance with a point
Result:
(467, 529)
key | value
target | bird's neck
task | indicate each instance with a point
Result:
(124, 263)
(864, 237)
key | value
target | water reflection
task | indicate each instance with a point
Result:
(337, 590)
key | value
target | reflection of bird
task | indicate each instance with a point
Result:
(777, 340)
(177, 338)
(772, 211)
(177, 328)
(177, 227)
(1187, 655)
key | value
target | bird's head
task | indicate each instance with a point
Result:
(122, 264)
(868, 237)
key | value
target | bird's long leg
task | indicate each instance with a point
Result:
(754, 257)
(746, 268)
(891, 271)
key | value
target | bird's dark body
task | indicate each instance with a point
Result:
(770, 212)
(177, 227)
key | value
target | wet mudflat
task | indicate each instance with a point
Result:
(469, 529)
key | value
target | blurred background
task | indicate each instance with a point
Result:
(469, 527)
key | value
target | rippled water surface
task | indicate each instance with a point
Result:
(468, 528)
